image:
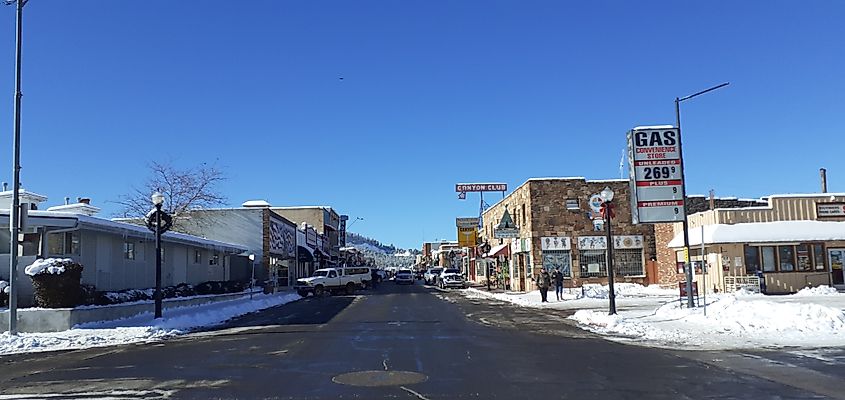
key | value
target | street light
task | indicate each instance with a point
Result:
(354, 221)
(607, 211)
(159, 222)
(687, 266)
(16, 175)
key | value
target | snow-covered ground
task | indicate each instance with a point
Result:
(142, 327)
(811, 318)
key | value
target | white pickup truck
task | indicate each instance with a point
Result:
(333, 280)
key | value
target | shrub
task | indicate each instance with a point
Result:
(56, 282)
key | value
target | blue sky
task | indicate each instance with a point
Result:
(433, 93)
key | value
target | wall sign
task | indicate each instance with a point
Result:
(554, 243)
(657, 185)
(282, 238)
(619, 242)
(830, 210)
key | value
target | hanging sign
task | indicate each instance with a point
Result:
(657, 186)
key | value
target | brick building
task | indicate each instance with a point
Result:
(553, 217)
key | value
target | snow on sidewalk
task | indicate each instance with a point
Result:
(142, 327)
(592, 296)
(733, 321)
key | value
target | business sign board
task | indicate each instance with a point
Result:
(468, 236)
(466, 222)
(657, 187)
(481, 187)
(830, 210)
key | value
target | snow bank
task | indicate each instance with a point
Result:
(731, 322)
(822, 290)
(47, 265)
(142, 327)
(597, 291)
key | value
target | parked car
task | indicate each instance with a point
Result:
(332, 280)
(450, 278)
(430, 276)
(418, 274)
(404, 276)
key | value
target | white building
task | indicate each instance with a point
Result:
(114, 255)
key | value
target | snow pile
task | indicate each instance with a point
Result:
(529, 299)
(731, 322)
(598, 291)
(47, 265)
(142, 327)
(822, 290)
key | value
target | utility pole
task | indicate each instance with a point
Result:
(14, 214)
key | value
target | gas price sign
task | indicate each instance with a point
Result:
(657, 185)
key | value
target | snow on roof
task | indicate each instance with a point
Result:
(255, 203)
(24, 194)
(807, 195)
(764, 232)
(646, 127)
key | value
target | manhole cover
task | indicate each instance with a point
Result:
(379, 378)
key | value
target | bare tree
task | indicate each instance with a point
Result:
(183, 189)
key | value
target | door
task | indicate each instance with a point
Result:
(836, 257)
(521, 268)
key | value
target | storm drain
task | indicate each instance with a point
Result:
(379, 378)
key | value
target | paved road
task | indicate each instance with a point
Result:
(417, 342)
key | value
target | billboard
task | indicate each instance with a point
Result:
(481, 187)
(656, 173)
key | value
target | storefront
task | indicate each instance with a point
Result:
(281, 249)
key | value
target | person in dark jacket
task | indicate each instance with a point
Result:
(543, 281)
(557, 277)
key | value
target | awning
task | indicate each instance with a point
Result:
(499, 250)
(764, 232)
(305, 254)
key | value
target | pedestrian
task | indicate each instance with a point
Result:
(557, 276)
(374, 277)
(543, 283)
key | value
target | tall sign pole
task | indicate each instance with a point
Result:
(16, 179)
(688, 269)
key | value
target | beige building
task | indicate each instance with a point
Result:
(793, 242)
(324, 219)
(557, 230)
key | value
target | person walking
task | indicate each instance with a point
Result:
(543, 283)
(557, 277)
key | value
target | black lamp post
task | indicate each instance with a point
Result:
(159, 222)
(607, 209)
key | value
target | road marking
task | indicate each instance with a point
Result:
(411, 391)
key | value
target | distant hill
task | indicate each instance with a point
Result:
(384, 254)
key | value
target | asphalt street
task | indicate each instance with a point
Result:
(401, 342)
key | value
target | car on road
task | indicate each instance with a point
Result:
(451, 277)
(333, 280)
(404, 276)
(430, 276)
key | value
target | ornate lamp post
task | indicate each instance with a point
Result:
(607, 212)
(159, 222)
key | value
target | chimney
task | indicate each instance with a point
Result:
(5, 186)
(67, 200)
(712, 199)
(823, 175)
(84, 200)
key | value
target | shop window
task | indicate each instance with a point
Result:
(786, 258)
(129, 250)
(65, 243)
(558, 260)
(593, 263)
(818, 257)
(805, 259)
(752, 260)
(628, 262)
(572, 205)
(767, 253)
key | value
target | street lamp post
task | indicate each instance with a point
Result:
(687, 267)
(159, 222)
(607, 209)
(16, 176)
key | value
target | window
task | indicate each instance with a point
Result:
(628, 262)
(572, 204)
(752, 260)
(768, 256)
(593, 263)
(65, 243)
(558, 259)
(805, 259)
(129, 250)
(332, 274)
(197, 257)
(787, 258)
(215, 260)
(818, 257)
(523, 213)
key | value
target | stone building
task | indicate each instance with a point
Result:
(556, 230)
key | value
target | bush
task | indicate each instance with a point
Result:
(56, 283)
(91, 296)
